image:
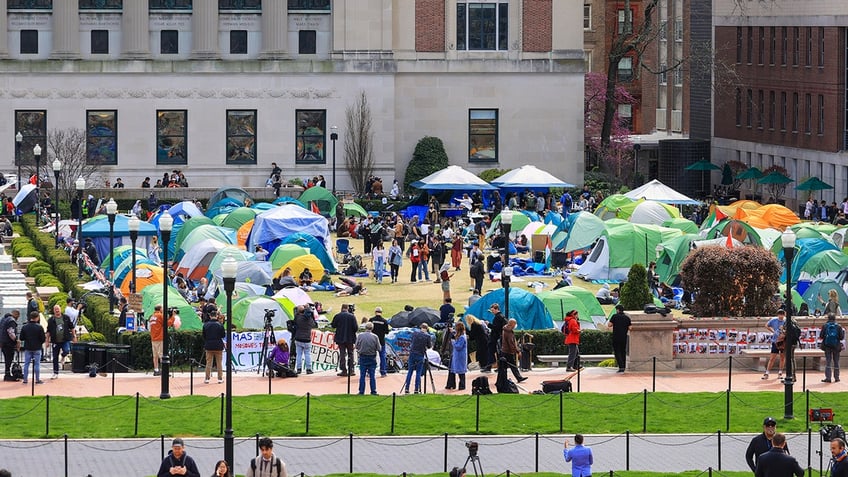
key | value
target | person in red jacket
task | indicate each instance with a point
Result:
(571, 330)
(414, 254)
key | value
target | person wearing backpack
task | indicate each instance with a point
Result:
(60, 334)
(832, 335)
(9, 341)
(266, 464)
(177, 462)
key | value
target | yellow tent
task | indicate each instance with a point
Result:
(298, 264)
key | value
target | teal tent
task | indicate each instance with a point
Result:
(672, 255)
(816, 294)
(828, 263)
(577, 231)
(527, 309)
(315, 247)
(152, 296)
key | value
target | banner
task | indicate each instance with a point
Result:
(247, 348)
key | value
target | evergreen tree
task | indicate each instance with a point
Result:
(635, 293)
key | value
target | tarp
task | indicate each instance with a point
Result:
(323, 198)
(620, 246)
(651, 212)
(298, 264)
(238, 217)
(816, 295)
(656, 190)
(284, 253)
(581, 230)
(672, 255)
(562, 300)
(315, 248)
(271, 227)
(529, 177)
(452, 178)
(525, 307)
(152, 296)
(229, 192)
(684, 225)
(249, 313)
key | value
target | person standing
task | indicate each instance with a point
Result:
(777, 462)
(177, 462)
(580, 457)
(509, 349)
(414, 255)
(572, 340)
(32, 304)
(421, 341)
(761, 443)
(9, 341)
(456, 252)
(477, 272)
(620, 324)
(345, 325)
(775, 325)
(266, 464)
(395, 260)
(423, 271)
(32, 336)
(838, 461)
(479, 332)
(381, 329)
(213, 343)
(832, 335)
(157, 333)
(304, 321)
(378, 261)
(496, 327)
(368, 346)
(459, 358)
(60, 333)
(437, 255)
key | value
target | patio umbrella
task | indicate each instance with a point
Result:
(423, 314)
(750, 173)
(774, 177)
(812, 184)
(702, 165)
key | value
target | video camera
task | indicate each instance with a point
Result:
(351, 308)
(173, 310)
(473, 447)
(830, 432)
(269, 315)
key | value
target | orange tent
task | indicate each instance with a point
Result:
(243, 233)
(773, 216)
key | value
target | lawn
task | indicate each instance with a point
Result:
(109, 417)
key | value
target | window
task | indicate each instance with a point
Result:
(625, 69)
(784, 50)
(587, 16)
(482, 26)
(678, 29)
(750, 53)
(762, 42)
(809, 57)
(773, 43)
(32, 124)
(678, 76)
(749, 108)
(587, 60)
(100, 4)
(171, 130)
(761, 108)
(738, 107)
(821, 115)
(101, 137)
(306, 44)
(663, 73)
(311, 136)
(482, 135)
(169, 42)
(238, 42)
(29, 4)
(662, 31)
(796, 46)
(821, 47)
(772, 108)
(739, 44)
(99, 42)
(241, 136)
(794, 112)
(625, 22)
(625, 115)
(240, 4)
(808, 113)
(170, 4)
(308, 4)
(29, 42)
(783, 111)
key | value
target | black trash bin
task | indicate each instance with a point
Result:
(117, 358)
(526, 356)
(79, 357)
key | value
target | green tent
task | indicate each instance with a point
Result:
(152, 296)
(829, 261)
(238, 255)
(647, 212)
(679, 223)
(672, 255)
(219, 219)
(816, 294)
(202, 233)
(249, 312)
(187, 227)
(739, 230)
(620, 246)
(519, 221)
(324, 199)
(238, 217)
(583, 229)
(284, 253)
(797, 299)
(352, 208)
(608, 208)
(562, 300)
(120, 253)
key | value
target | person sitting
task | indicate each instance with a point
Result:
(521, 244)
(278, 360)
(287, 281)
(604, 295)
(343, 230)
(305, 278)
(666, 291)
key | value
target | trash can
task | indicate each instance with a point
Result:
(97, 355)
(79, 357)
(117, 358)
(526, 356)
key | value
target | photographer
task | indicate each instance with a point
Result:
(74, 310)
(777, 462)
(278, 360)
(304, 323)
(838, 463)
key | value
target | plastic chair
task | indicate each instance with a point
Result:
(342, 248)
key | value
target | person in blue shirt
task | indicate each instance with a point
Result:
(580, 457)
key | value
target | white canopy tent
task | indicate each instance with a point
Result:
(452, 178)
(659, 192)
(530, 177)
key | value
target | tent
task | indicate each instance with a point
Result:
(223, 206)
(684, 225)
(242, 289)
(26, 199)
(562, 300)
(620, 246)
(295, 295)
(120, 253)
(256, 273)
(238, 217)
(519, 221)
(773, 216)
(228, 192)
(609, 207)
(651, 212)
(298, 264)
(352, 208)
(262, 206)
(452, 178)
(249, 313)
(529, 177)
(284, 253)
(816, 294)
(315, 248)
(657, 191)
(672, 255)
(740, 231)
(98, 229)
(323, 198)
(177, 237)
(124, 268)
(272, 226)
(236, 253)
(243, 233)
(288, 200)
(152, 296)
(204, 232)
(805, 249)
(146, 274)
(195, 263)
(580, 230)
(182, 210)
(825, 264)
(524, 306)
(537, 228)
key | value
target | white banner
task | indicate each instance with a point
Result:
(247, 348)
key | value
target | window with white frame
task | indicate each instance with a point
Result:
(587, 16)
(625, 69)
(482, 25)
(625, 22)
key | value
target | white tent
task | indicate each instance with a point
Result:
(650, 212)
(452, 178)
(530, 177)
(656, 190)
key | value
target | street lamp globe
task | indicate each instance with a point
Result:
(787, 238)
(57, 165)
(80, 183)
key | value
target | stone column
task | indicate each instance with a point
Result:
(651, 336)
(204, 29)
(4, 33)
(135, 30)
(275, 30)
(66, 31)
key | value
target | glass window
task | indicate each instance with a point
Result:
(482, 135)
(587, 16)
(772, 108)
(29, 42)
(238, 42)
(760, 108)
(311, 136)
(809, 57)
(482, 26)
(169, 42)
(101, 4)
(170, 4)
(739, 44)
(750, 53)
(663, 73)
(783, 111)
(171, 143)
(241, 136)
(808, 113)
(32, 124)
(821, 46)
(762, 41)
(587, 60)
(28, 4)
(99, 42)
(738, 107)
(308, 4)
(306, 44)
(821, 114)
(101, 137)
(625, 114)
(240, 4)
(749, 108)
(678, 29)
(785, 49)
(773, 44)
(625, 22)
(796, 48)
(625, 69)
(794, 112)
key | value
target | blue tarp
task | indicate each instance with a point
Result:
(314, 246)
(524, 306)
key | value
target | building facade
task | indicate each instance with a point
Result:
(220, 89)
(789, 106)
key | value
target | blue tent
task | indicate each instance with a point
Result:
(286, 199)
(97, 229)
(271, 226)
(262, 206)
(314, 246)
(817, 293)
(524, 306)
(223, 206)
(229, 192)
(805, 249)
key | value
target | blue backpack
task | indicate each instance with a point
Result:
(832, 332)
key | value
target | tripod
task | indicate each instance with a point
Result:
(427, 372)
(475, 464)
(269, 340)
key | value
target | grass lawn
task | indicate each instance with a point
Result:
(109, 417)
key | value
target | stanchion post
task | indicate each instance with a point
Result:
(65, 438)
(644, 410)
(727, 412)
(578, 380)
(47, 415)
(560, 412)
(537, 453)
(162, 445)
(222, 414)
(308, 396)
(809, 451)
(445, 467)
(804, 374)
(477, 414)
(718, 433)
(191, 377)
(135, 432)
(653, 374)
(350, 469)
(114, 364)
(729, 373)
(807, 408)
(627, 450)
(394, 402)
(348, 383)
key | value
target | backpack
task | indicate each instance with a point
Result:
(277, 463)
(831, 334)
(15, 370)
(480, 385)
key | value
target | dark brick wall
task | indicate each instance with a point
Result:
(538, 27)
(429, 25)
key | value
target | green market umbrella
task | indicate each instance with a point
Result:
(702, 165)
(774, 177)
(813, 183)
(750, 173)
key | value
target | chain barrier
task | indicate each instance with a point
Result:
(81, 408)
(353, 408)
(514, 441)
(301, 398)
(609, 404)
(504, 406)
(161, 403)
(445, 408)
(679, 444)
(380, 442)
(102, 449)
(762, 409)
(35, 446)
(33, 408)
(594, 443)
(319, 446)
(655, 396)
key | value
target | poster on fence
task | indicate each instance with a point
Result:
(247, 348)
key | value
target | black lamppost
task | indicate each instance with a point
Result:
(788, 241)
(57, 169)
(334, 136)
(36, 152)
(165, 224)
(506, 225)
(133, 225)
(229, 267)
(19, 139)
(80, 186)
(111, 210)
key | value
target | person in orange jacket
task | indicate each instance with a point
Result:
(571, 330)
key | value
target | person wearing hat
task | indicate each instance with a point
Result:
(414, 254)
(381, 329)
(777, 462)
(762, 443)
(620, 324)
(177, 462)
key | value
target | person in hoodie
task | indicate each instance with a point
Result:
(177, 462)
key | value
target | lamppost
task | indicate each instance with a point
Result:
(132, 225)
(111, 210)
(19, 139)
(57, 169)
(80, 185)
(506, 225)
(165, 224)
(788, 241)
(229, 267)
(334, 136)
(36, 152)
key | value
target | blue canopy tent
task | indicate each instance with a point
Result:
(98, 230)
(452, 178)
(271, 226)
(315, 247)
(524, 306)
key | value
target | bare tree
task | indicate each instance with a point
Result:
(68, 145)
(359, 143)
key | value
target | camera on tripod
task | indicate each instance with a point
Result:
(472, 448)
(269, 315)
(830, 432)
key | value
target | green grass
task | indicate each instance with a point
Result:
(109, 417)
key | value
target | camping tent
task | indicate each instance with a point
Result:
(26, 199)
(651, 212)
(816, 294)
(620, 246)
(288, 200)
(805, 249)
(223, 206)
(562, 300)
(249, 312)
(205, 232)
(146, 274)
(236, 253)
(195, 263)
(656, 190)
(238, 217)
(284, 253)
(529, 177)
(826, 264)
(524, 306)
(152, 296)
(323, 198)
(177, 236)
(519, 221)
(256, 273)
(773, 216)
(98, 229)
(228, 192)
(684, 225)
(120, 253)
(672, 255)
(298, 264)
(609, 207)
(578, 231)
(315, 248)
(272, 226)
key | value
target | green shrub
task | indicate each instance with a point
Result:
(60, 299)
(67, 274)
(38, 267)
(84, 321)
(635, 293)
(47, 279)
(93, 336)
(491, 174)
(185, 346)
(429, 156)
(607, 363)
